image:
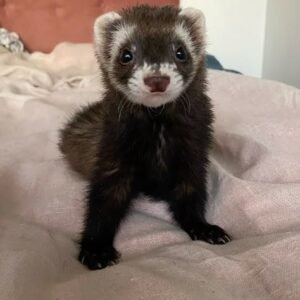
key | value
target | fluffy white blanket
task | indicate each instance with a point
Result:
(254, 190)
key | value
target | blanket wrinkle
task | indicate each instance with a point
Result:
(254, 191)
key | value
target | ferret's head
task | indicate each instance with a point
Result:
(150, 54)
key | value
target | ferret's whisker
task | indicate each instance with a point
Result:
(121, 107)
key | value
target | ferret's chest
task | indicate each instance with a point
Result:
(160, 149)
(154, 150)
(154, 159)
(151, 146)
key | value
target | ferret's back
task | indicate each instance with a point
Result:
(80, 139)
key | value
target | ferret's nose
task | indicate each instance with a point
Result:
(157, 83)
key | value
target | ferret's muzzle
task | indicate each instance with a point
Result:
(157, 84)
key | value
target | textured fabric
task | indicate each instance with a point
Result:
(43, 24)
(10, 40)
(254, 189)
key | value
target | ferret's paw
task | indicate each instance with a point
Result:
(211, 234)
(100, 258)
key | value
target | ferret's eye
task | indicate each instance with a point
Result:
(126, 57)
(180, 54)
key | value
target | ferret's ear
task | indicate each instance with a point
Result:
(196, 16)
(101, 25)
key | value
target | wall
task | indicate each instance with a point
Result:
(282, 45)
(236, 32)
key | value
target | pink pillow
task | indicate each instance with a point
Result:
(42, 24)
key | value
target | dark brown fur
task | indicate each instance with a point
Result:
(117, 152)
(81, 140)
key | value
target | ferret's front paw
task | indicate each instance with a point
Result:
(98, 258)
(211, 234)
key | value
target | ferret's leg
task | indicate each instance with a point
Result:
(188, 207)
(108, 201)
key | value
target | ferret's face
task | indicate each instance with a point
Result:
(150, 54)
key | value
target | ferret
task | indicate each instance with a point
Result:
(152, 131)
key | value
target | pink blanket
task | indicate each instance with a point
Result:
(254, 188)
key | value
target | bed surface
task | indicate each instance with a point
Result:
(254, 188)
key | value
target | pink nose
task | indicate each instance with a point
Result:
(157, 83)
